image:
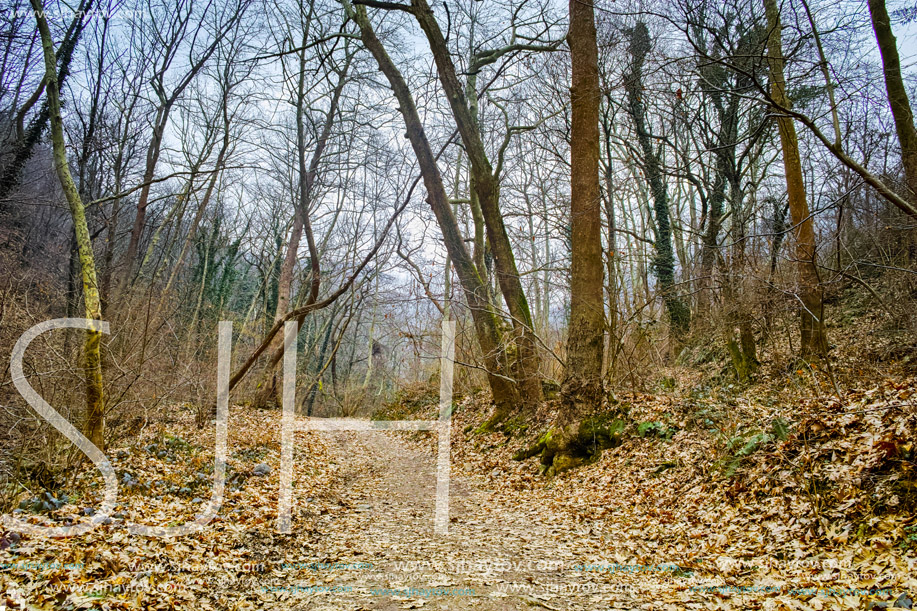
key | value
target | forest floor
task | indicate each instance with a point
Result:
(616, 534)
(796, 492)
(363, 536)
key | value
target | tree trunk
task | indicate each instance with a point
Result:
(95, 407)
(811, 315)
(487, 189)
(152, 158)
(711, 235)
(897, 94)
(485, 319)
(613, 343)
(583, 381)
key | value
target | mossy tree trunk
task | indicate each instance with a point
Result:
(94, 428)
(585, 338)
(897, 93)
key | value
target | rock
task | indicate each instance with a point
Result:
(127, 478)
(88, 511)
(197, 499)
(8, 540)
(184, 490)
(106, 520)
(261, 469)
(119, 515)
(162, 454)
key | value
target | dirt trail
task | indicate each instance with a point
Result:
(494, 557)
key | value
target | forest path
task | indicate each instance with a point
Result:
(494, 557)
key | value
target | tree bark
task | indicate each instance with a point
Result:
(811, 315)
(583, 378)
(95, 407)
(897, 94)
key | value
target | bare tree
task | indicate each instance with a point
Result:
(486, 321)
(170, 31)
(95, 405)
(487, 187)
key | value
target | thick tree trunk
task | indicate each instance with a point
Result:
(583, 381)
(95, 408)
(485, 319)
(897, 94)
(812, 327)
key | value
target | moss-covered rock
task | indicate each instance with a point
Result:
(600, 432)
(575, 444)
(565, 462)
(516, 425)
